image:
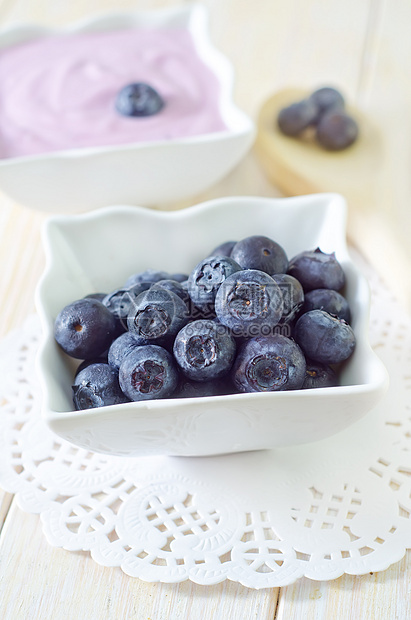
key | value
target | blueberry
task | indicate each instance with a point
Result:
(85, 328)
(97, 386)
(98, 296)
(179, 277)
(148, 372)
(319, 375)
(188, 388)
(175, 287)
(269, 364)
(296, 117)
(121, 302)
(138, 99)
(316, 269)
(327, 99)
(262, 253)
(293, 296)
(324, 338)
(204, 350)
(336, 131)
(149, 276)
(224, 249)
(102, 359)
(250, 303)
(328, 300)
(158, 313)
(207, 277)
(194, 312)
(122, 346)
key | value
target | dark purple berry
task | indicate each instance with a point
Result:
(324, 338)
(98, 296)
(121, 303)
(250, 303)
(293, 295)
(319, 375)
(122, 346)
(262, 253)
(204, 350)
(175, 287)
(96, 360)
(296, 117)
(148, 372)
(196, 389)
(269, 364)
(158, 313)
(97, 386)
(316, 269)
(138, 99)
(207, 277)
(149, 276)
(85, 328)
(179, 277)
(327, 99)
(224, 249)
(328, 300)
(336, 131)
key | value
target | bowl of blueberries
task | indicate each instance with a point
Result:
(122, 100)
(238, 324)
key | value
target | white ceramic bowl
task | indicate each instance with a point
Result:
(147, 174)
(99, 250)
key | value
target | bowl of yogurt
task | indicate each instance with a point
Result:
(64, 146)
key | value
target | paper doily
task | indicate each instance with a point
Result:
(264, 519)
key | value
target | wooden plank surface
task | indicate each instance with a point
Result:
(365, 48)
(40, 581)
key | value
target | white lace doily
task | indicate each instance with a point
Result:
(263, 519)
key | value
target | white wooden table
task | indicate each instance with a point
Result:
(365, 48)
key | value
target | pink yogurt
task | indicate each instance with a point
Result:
(59, 93)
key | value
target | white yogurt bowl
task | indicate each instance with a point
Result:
(98, 251)
(144, 173)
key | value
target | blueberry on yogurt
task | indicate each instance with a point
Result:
(269, 364)
(138, 99)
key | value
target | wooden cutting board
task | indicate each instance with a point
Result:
(300, 166)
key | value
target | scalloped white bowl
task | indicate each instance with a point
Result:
(97, 251)
(145, 174)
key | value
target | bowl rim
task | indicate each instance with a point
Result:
(196, 18)
(378, 384)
